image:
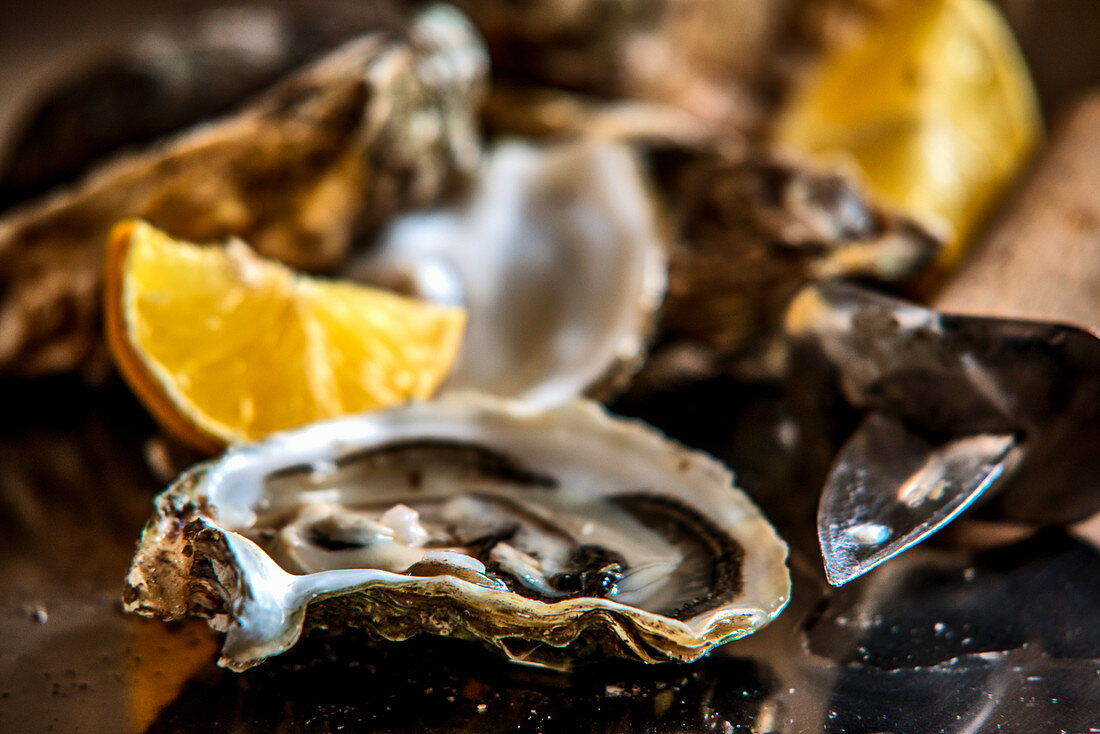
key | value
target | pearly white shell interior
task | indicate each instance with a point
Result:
(557, 259)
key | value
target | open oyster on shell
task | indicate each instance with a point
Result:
(549, 535)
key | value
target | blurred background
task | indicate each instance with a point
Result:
(42, 42)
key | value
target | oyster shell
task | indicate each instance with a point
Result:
(706, 58)
(748, 233)
(558, 261)
(547, 535)
(382, 123)
(186, 66)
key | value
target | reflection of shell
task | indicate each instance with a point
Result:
(558, 262)
(548, 535)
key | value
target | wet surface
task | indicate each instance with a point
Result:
(957, 636)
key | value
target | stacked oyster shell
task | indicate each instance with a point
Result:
(551, 535)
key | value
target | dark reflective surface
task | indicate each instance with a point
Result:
(966, 635)
(1042, 593)
(439, 685)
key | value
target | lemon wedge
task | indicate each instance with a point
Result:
(224, 346)
(933, 104)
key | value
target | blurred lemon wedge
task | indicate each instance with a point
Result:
(224, 346)
(935, 106)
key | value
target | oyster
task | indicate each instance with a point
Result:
(558, 261)
(745, 227)
(706, 58)
(382, 123)
(547, 535)
(187, 66)
(748, 232)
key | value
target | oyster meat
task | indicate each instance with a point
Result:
(549, 535)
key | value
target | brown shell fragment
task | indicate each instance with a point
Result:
(330, 152)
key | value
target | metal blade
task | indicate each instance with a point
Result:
(891, 488)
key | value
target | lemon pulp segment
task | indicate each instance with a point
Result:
(243, 346)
